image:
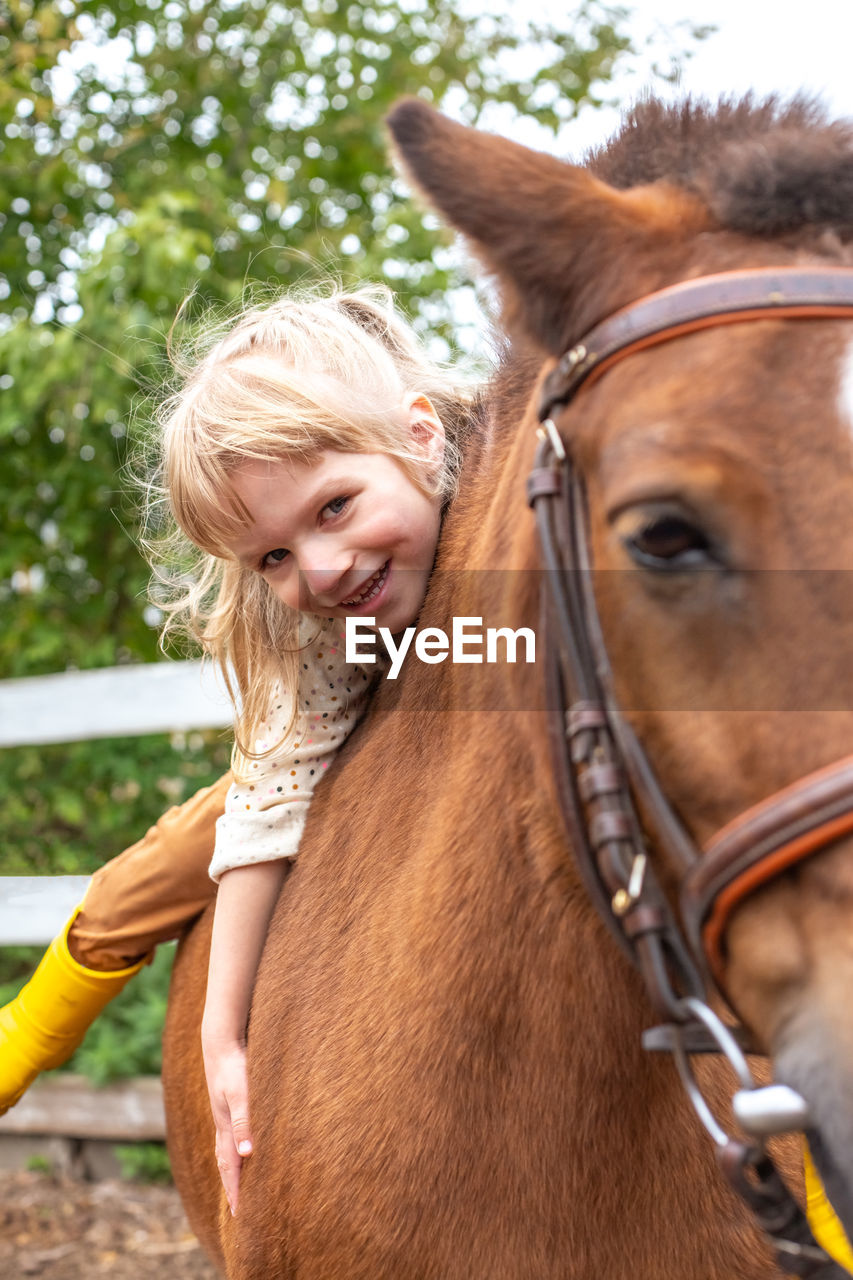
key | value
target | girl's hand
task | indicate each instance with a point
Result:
(228, 1087)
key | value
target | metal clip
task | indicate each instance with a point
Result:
(548, 431)
(573, 357)
(697, 1010)
(624, 899)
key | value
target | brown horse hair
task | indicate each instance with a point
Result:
(763, 167)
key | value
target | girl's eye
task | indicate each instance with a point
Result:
(273, 558)
(337, 505)
(670, 542)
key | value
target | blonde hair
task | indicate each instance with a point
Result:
(286, 381)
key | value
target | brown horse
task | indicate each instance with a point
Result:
(446, 1069)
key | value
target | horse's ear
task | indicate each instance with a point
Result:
(562, 243)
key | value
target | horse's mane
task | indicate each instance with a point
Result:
(763, 167)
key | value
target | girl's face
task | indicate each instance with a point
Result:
(348, 534)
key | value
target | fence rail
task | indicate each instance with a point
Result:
(34, 908)
(75, 706)
(67, 1106)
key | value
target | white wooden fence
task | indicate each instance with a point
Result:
(73, 707)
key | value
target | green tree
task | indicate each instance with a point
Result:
(148, 149)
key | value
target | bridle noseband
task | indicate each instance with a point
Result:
(614, 808)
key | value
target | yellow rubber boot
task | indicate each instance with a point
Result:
(46, 1021)
(826, 1228)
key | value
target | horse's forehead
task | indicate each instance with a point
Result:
(739, 393)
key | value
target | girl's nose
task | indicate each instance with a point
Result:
(322, 572)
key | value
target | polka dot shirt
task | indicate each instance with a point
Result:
(265, 812)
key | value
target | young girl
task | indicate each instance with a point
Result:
(305, 460)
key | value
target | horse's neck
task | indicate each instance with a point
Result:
(488, 569)
(488, 526)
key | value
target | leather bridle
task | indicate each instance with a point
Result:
(614, 808)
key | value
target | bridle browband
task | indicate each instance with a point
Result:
(613, 806)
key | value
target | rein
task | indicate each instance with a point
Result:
(613, 806)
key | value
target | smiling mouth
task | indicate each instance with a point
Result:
(370, 589)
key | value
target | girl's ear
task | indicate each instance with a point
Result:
(426, 428)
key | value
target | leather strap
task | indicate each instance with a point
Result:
(760, 844)
(728, 297)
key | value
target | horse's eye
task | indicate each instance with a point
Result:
(669, 542)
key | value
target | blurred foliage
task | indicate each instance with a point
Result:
(102, 796)
(144, 1162)
(39, 1164)
(150, 148)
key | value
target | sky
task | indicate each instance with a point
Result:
(765, 45)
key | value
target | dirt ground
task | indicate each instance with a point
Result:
(56, 1228)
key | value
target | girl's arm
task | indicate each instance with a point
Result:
(244, 904)
(256, 837)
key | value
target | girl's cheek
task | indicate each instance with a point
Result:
(287, 593)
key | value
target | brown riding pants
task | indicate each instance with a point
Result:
(151, 892)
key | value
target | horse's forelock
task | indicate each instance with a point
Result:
(763, 167)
